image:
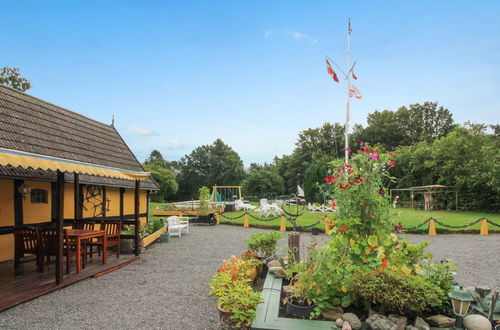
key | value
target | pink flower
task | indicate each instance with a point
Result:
(361, 143)
(374, 157)
(348, 149)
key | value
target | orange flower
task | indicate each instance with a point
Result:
(402, 272)
(367, 252)
(361, 203)
(365, 260)
(394, 268)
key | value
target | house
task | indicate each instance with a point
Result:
(45, 149)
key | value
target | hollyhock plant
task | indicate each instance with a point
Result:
(362, 236)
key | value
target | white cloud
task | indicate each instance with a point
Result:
(136, 130)
(294, 34)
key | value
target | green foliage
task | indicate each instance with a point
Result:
(242, 302)
(408, 125)
(312, 144)
(232, 285)
(156, 224)
(209, 165)
(204, 197)
(262, 181)
(361, 235)
(165, 179)
(264, 243)
(395, 292)
(12, 78)
(468, 158)
(314, 179)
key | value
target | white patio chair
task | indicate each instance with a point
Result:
(177, 224)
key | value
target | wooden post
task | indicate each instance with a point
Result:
(494, 299)
(60, 226)
(327, 226)
(217, 217)
(122, 192)
(76, 195)
(432, 228)
(18, 204)
(294, 246)
(283, 223)
(484, 227)
(137, 223)
(246, 224)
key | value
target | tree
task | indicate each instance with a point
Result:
(263, 182)
(408, 125)
(165, 179)
(313, 143)
(313, 180)
(12, 78)
(209, 165)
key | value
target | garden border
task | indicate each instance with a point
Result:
(267, 314)
(154, 236)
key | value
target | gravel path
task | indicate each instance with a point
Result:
(167, 288)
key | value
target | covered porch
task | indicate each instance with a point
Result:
(30, 283)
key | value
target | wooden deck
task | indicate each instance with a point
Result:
(15, 290)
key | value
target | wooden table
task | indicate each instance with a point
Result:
(80, 234)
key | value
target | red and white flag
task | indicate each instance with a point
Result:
(353, 75)
(354, 91)
(330, 71)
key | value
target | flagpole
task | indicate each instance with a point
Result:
(347, 103)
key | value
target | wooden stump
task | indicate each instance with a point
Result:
(294, 246)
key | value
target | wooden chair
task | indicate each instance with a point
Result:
(85, 225)
(113, 230)
(27, 241)
(70, 251)
(48, 240)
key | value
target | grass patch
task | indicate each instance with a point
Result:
(408, 217)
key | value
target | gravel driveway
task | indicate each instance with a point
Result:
(167, 288)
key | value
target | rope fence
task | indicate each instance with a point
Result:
(430, 223)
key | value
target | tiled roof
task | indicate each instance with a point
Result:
(32, 125)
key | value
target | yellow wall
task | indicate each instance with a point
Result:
(36, 213)
(6, 218)
(113, 194)
(128, 202)
(69, 201)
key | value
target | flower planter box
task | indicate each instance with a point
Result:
(267, 316)
(154, 236)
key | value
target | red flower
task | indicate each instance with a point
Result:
(367, 150)
(342, 229)
(384, 263)
(222, 269)
(393, 163)
(234, 278)
(374, 151)
(391, 153)
(255, 256)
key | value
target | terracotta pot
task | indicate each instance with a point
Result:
(225, 317)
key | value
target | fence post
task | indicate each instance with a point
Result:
(327, 226)
(484, 227)
(217, 217)
(283, 223)
(432, 228)
(246, 224)
(180, 214)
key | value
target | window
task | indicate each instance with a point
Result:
(39, 196)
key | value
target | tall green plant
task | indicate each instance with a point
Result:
(204, 196)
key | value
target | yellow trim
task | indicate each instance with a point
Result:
(23, 159)
(154, 236)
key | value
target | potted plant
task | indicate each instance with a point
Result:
(237, 307)
(232, 285)
(127, 246)
(265, 244)
(301, 301)
(204, 214)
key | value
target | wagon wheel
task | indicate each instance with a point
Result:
(211, 220)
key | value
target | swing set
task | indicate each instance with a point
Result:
(221, 194)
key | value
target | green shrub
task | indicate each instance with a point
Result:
(265, 244)
(156, 224)
(393, 291)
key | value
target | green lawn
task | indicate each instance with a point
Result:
(408, 217)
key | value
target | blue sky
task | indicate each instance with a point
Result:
(179, 74)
